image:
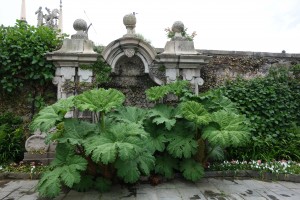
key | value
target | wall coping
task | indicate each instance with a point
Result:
(242, 53)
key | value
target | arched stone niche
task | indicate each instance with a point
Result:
(131, 59)
(130, 47)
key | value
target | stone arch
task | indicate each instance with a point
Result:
(130, 46)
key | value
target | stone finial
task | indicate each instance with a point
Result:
(178, 28)
(81, 27)
(129, 21)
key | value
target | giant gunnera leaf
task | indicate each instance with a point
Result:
(49, 116)
(191, 170)
(163, 114)
(99, 100)
(130, 115)
(157, 92)
(130, 170)
(195, 112)
(181, 142)
(75, 131)
(228, 129)
(165, 165)
(65, 169)
(124, 141)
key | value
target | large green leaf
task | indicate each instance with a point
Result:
(49, 116)
(49, 185)
(99, 100)
(102, 184)
(157, 92)
(65, 155)
(182, 145)
(123, 140)
(231, 129)
(157, 143)
(165, 165)
(75, 131)
(195, 112)
(163, 114)
(181, 141)
(130, 170)
(191, 170)
(214, 100)
(69, 175)
(86, 183)
(130, 115)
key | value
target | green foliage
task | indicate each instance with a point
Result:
(125, 141)
(271, 104)
(230, 130)
(22, 56)
(132, 141)
(101, 70)
(165, 165)
(99, 100)
(66, 169)
(191, 170)
(130, 170)
(182, 143)
(11, 138)
(158, 92)
(76, 131)
(171, 34)
(85, 183)
(49, 116)
(195, 112)
(130, 115)
(163, 114)
(102, 184)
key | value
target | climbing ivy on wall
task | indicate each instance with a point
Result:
(272, 104)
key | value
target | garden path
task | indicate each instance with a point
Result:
(207, 188)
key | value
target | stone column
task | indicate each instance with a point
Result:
(74, 52)
(181, 60)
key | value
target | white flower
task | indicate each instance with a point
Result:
(32, 169)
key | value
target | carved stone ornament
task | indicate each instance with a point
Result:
(129, 52)
(36, 143)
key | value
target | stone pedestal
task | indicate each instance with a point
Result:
(74, 52)
(181, 60)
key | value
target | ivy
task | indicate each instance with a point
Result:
(272, 104)
(22, 56)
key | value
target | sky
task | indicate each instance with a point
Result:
(235, 25)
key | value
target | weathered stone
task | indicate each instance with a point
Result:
(36, 143)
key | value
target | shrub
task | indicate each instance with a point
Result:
(272, 105)
(11, 138)
(127, 142)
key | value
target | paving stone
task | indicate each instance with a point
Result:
(3, 194)
(11, 186)
(206, 189)
(166, 185)
(184, 184)
(190, 193)
(289, 185)
(236, 197)
(168, 194)
(30, 197)
(252, 184)
(271, 195)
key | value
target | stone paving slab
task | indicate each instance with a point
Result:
(206, 189)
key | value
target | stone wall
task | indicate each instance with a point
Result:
(130, 78)
(227, 65)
